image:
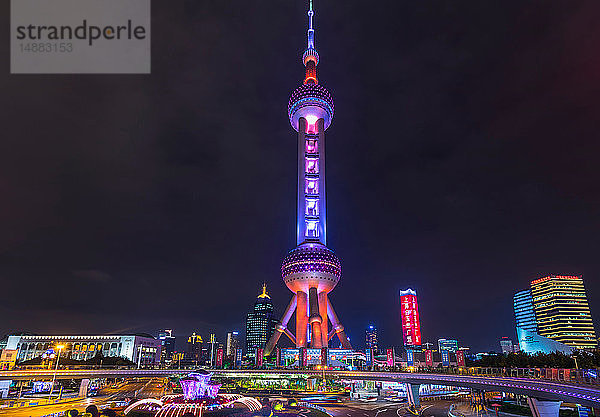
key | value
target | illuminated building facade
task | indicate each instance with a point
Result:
(409, 312)
(371, 339)
(448, 345)
(194, 350)
(232, 344)
(260, 323)
(167, 341)
(311, 270)
(506, 345)
(143, 349)
(562, 311)
(524, 312)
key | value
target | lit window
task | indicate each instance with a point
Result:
(312, 207)
(312, 166)
(311, 146)
(312, 186)
(311, 229)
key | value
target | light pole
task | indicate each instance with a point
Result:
(59, 347)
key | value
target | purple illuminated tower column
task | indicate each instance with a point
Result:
(311, 270)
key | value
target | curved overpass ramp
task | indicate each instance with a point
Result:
(536, 388)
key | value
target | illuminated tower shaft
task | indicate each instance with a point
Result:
(311, 270)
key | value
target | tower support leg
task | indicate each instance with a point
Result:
(543, 408)
(324, 323)
(315, 319)
(281, 327)
(301, 318)
(337, 326)
(412, 395)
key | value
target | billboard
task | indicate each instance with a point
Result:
(460, 358)
(219, 358)
(324, 356)
(303, 357)
(445, 358)
(409, 312)
(238, 358)
(259, 357)
(410, 361)
(390, 357)
(369, 356)
(429, 357)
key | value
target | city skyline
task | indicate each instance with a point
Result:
(452, 165)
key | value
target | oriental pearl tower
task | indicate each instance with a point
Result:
(311, 270)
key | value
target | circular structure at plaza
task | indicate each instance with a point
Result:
(311, 265)
(199, 397)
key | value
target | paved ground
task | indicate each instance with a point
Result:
(144, 388)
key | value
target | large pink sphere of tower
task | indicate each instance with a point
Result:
(311, 265)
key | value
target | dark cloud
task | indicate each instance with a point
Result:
(460, 163)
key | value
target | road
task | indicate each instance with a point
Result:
(144, 388)
(387, 409)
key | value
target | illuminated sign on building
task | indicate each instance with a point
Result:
(259, 357)
(369, 356)
(410, 358)
(390, 357)
(303, 359)
(445, 358)
(460, 358)
(238, 358)
(409, 311)
(219, 358)
(429, 357)
(324, 356)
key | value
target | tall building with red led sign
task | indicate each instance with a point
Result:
(409, 311)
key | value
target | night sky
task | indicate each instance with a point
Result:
(462, 162)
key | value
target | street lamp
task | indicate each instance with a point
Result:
(59, 347)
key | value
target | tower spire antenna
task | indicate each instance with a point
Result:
(311, 31)
(311, 56)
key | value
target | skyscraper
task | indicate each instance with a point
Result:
(562, 310)
(193, 353)
(506, 346)
(167, 341)
(409, 312)
(233, 343)
(371, 339)
(260, 323)
(524, 312)
(311, 270)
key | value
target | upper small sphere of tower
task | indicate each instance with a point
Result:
(310, 101)
(310, 54)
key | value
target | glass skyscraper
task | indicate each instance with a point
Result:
(524, 312)
(371, 339)
(260, 323)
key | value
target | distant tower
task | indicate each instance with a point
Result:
(311, 270)
(260, 323)
(371, 339)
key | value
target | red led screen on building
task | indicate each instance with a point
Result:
(428, 358)
(460, 358)
(409, 311)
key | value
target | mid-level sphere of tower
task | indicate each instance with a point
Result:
(311, 265)
(312, 102)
